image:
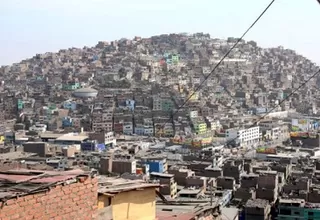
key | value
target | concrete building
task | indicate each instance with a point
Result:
(40, 148)
(267, 185)
(157, 103)
(154, 164)
(122, 165)
(232, 169)
(200, 127)
(123, 199)
(167, 180)
(245, 137)
(128, 128)
(180, 174)
(212, 172)
(297, 209)
(38, 128)
(102, 121)
(110, 140)
(197, 181)
(106, 165)
(226, 183)
(249, 180)
(257, 209)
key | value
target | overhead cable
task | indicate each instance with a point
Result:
(219, 63)
(272, 109)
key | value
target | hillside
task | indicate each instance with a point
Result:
(168, 61)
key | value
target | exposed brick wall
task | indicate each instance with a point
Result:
(77, 201)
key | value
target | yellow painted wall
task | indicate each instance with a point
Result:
(133, 205)
(2, 138)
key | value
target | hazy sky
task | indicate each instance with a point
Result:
(36, 26)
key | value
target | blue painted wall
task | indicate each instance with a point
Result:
(67, 122)
(130, 104)
(155, 166)
(70, 105)
(139, 130)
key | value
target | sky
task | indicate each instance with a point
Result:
(29, 27)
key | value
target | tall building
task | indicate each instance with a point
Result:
(244, 137)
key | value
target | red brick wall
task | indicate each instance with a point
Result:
(77, 201)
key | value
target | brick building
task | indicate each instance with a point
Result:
(31, 194)
(257, 209)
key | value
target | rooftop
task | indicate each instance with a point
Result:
(190, 191)
(15, 155)
(165, 175)
(258, 203)
(50, 135)
(180, 212)
(86, 90)
(114, 185)
(69, 137)
(15, 183)
(301, 202)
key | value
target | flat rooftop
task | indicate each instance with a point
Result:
(259, 203)
(165, 175)
(48, 135)
(290, 201)
(69, 137)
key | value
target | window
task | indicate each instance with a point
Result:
(285, 212)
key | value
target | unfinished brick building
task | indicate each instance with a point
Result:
(30, 194)
(267, 185)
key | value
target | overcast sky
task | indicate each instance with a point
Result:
(37, 26)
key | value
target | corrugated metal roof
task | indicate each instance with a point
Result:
(117, 185)
(85, 90)
(22, 182)
(53, 179)
(128, 187)
(13, 178)
(72, 138)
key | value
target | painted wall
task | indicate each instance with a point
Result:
(155, 166)
(132, 205)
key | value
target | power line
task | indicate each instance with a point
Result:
(221, 60)
(282, 101)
